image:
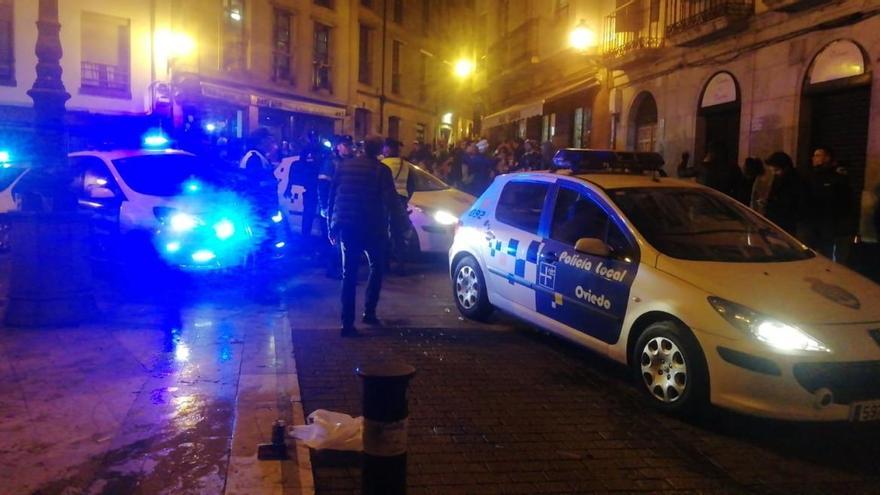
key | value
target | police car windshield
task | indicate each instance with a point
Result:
(701, 225)
(164, 174)
(423, 181)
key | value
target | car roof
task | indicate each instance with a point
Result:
(614, 180)
(126, 153)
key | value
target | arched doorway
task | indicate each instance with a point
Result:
(643, 136)
(718, 118)
(835, 109)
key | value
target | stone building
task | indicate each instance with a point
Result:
(202, 70)
(753, 76)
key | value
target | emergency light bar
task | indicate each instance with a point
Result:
(585, 161)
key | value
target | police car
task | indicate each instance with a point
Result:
(177, 202)
(705, 300)
(10, 175)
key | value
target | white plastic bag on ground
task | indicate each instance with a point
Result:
(331, 430)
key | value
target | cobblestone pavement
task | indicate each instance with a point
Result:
(505, 409)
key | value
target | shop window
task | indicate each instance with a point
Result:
(282, 48)
(7, 38)
(395, 67)
(321, 57)
(548, 127)
(233, 35)
(361, 123)
(521, 204)
(581, 127)
(398, 11)
(106, 52)
(365, 66)
(394, 128)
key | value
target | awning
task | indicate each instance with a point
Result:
(572, 89)
(245, 98)
(514, 113)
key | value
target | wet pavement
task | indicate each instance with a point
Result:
(502, 408)
(150, 398)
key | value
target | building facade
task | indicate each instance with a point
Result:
(212, 71)
(749, 76)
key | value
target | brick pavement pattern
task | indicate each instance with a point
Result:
(522, 412)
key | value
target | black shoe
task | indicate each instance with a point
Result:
(349, 332)
(370, 319)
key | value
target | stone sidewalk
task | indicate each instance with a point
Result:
(503, 409)
(125, 405)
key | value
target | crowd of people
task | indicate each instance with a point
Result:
(814, 203)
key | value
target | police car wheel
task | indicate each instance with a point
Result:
(469, 290)
(670, 369)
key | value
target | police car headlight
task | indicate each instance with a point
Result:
(445, 218)
(182, 222)
(774, 333)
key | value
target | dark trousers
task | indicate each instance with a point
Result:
(352, 248)
(310, 210)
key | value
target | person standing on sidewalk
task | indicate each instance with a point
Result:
(402, 230)
(344, 151)
(829, 225)
(362, 197)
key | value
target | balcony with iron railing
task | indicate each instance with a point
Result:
(691, 22)
(633, 34)
(105, 79)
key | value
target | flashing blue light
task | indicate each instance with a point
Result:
(210, 127)
(4, 156)
(203, 256)
(155, 140)
(280, 244)
(192, 186)
(224, 229)
(277, 217)
(327, 143)
(182, 222)
(172, 247)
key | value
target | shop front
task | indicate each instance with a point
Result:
(568, 116)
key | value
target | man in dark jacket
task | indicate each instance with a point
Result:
(362, 196)
(829, 224)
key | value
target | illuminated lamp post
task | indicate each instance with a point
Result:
(50, 281)
(582, 37)
(170, 46)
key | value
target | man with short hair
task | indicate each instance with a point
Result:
(362, 197)
(829, 224)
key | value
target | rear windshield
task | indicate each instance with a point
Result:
(703, 225)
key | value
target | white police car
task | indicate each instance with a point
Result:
(171, 199)
(702, 298)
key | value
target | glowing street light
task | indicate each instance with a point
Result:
(582, 37)
(170, 44)
(463, 68)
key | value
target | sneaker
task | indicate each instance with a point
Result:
(349, 332)
(370, 319)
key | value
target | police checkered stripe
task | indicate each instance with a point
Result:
(522, 257)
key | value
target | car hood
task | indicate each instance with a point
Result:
(813, 291)
(451, 200)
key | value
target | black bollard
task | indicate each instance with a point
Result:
(385, 427)
(277, 450)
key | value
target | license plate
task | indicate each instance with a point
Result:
(868, 410)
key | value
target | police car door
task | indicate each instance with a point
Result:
(100, 196)
(513, 239)
(587, 292)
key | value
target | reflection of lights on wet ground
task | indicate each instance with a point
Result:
(181, 352)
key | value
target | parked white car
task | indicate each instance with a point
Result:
(705, 300)
(10, 176)
(434, 207)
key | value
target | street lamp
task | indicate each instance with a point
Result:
(463, 68)
(582, 37)
(172, 45)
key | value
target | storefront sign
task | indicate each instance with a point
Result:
(721, 89)
(513, 114)
(297, 106)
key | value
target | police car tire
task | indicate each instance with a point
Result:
(666, 336)
(480, 308)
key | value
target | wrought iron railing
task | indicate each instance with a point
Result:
(105, 76)
(633, 26)
(682, 15)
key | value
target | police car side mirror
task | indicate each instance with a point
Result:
(100, 192)
(592, 246)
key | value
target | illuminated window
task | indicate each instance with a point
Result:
(106, 54)
(7, 38)
(282, 48)
(233, 35)
(321, 57)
